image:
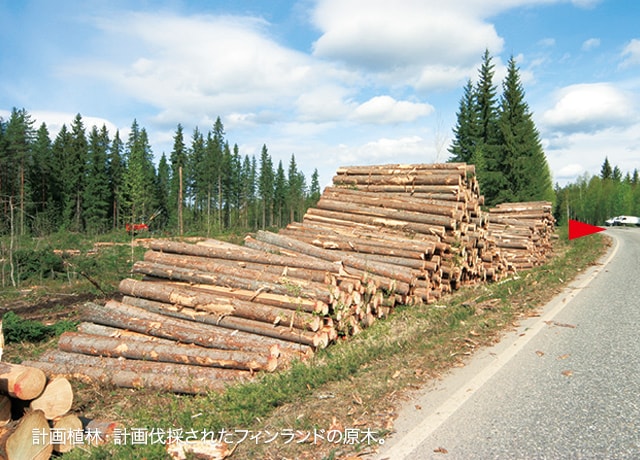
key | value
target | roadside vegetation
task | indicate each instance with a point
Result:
(353, 384)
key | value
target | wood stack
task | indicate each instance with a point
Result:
(34, 413)
(208, 313)
(522, 232)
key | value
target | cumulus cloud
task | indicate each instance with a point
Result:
(631, 54)
(590, 44)
(589, 108)
(379, 35)
(412, 149)
(385, 109)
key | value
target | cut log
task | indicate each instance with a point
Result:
(176, 378)
(21, 381)
(173, 273)
(185, 330)
(112, 347)
(399, 179)
(100, 431)
(219, 306)
(27, 438)
(309, 338)
(56, 399)
(65, 431)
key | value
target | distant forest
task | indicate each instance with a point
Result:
(96, 182)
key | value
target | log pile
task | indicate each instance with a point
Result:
(522, 232)
(35, 417)
(201, 315)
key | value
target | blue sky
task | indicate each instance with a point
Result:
(335, 82)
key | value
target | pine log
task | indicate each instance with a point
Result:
(399, 179)
(400, 168)
(376, 212)
(198, 276)
(387, 271)
(115, 347)
(219, 306)
(405, 202)
(100, 431)
(221, 250)
(282, 332)
(126, 373)
(310, 280)
(56, 399)
(27, 438)
(21, 381)
(267, 298)
(185, 330)
(65, 431)
(384, 222)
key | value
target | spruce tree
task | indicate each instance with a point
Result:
(606, 172)
(466, 132)
(280, 193)
(139, 178)
(96, 199)
(178, 159)
(43, 182)
(116, 170)
(266, 187)
(73, 175)
(519, 156)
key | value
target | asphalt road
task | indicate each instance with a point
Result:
(565, 385)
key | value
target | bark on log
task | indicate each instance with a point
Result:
(20, 381)
(27, 438)
(387, 271)
(185, 330)
(400, 168)
(399, 179)
(126, 373)
(198, 276)
(112, 347)
(383, 222)
(309, 338)
(56, 399)
(220, 306)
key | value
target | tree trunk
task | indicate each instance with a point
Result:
(126, 373)
(66, 426)
(149, 350)
(220, 306)
(185, 329)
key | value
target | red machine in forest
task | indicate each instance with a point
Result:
(143, 226)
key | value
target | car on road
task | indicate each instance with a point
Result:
(623, 220)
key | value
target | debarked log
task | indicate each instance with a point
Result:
(125, 347)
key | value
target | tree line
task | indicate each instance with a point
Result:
(95, 182)
(594, 199)
(498, 135)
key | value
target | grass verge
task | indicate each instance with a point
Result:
(355, 384)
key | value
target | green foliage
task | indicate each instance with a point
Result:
(594, 199)
(19, 330)
(37, 263)
(501, 139)
(91, 184)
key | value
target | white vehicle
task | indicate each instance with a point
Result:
(623, 220)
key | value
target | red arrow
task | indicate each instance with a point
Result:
(580, 229)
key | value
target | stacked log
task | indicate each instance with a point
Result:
(522, 232)
(203, 314)
(35, 417)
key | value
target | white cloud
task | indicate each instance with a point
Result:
(631, 54)
(385, 110)
(590, 44)
(589, 108)
(382, 35)
(412, 149)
